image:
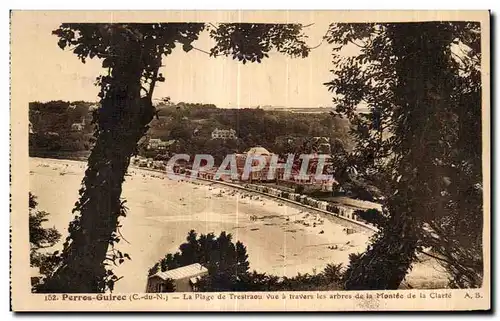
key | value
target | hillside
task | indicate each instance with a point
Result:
(61, 129)
(55, 128)
(278, 131)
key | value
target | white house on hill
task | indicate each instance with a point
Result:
(79, 126)
(223, 134)
(158, 144)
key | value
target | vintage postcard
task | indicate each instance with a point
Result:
(250, 160)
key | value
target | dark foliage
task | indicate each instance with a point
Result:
(238, 40)
(41, 239)
(372, 216)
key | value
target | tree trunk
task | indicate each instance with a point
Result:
(121, 122)
(386, 262)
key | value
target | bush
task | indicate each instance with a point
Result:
(226, 261)
(372, 216)
(333, 273)
(41, 238)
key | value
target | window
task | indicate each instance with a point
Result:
(161, 288)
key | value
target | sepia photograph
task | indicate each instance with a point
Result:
(250, 161)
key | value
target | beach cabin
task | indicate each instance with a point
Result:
(184, 278)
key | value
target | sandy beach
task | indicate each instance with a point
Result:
(281, 239)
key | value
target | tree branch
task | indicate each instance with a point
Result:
(153, 79)
(201, 50)
(362, 47)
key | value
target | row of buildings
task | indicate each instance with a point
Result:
(224, 134)
(271, 173)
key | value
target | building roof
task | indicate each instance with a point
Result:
(169, 142)
(224, 130)
(258, 150)
(319, 138)
(182, 272)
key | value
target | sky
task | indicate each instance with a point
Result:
(190, 77)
